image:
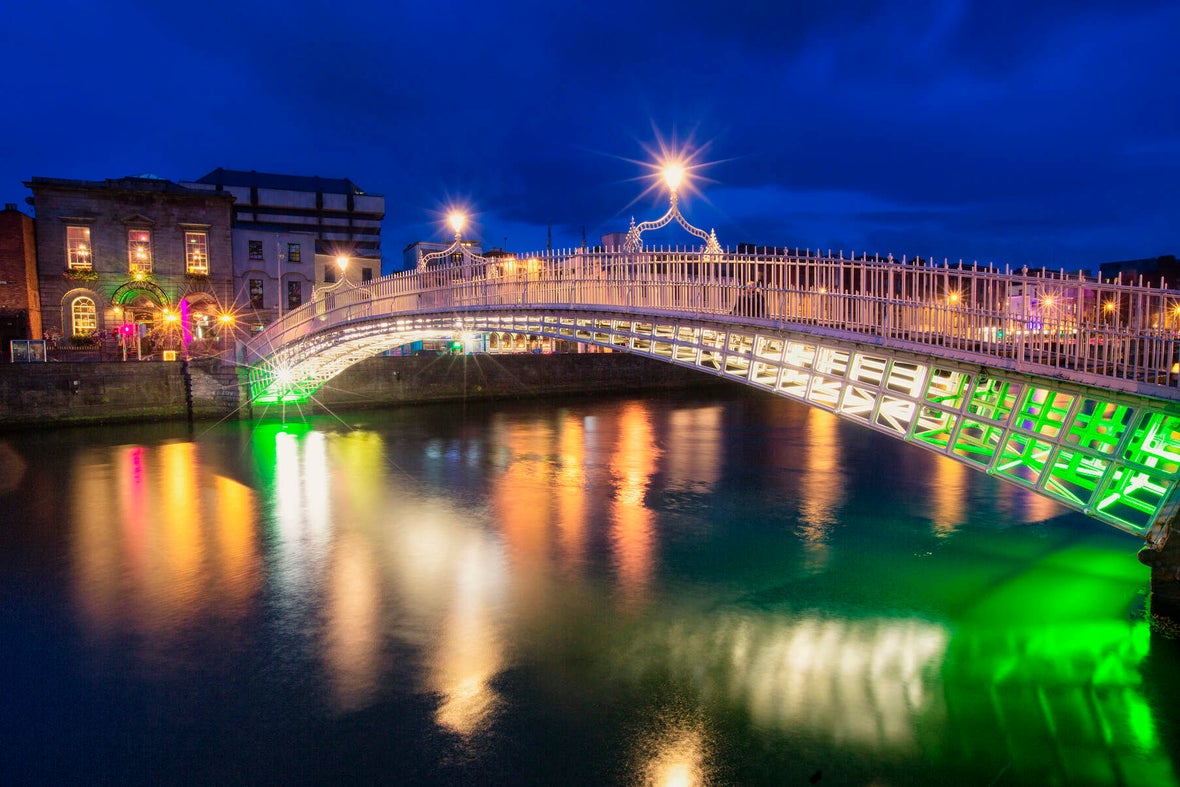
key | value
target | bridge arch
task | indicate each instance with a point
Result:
(1063, 403)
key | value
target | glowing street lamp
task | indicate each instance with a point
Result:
(457, 220)
(673, 174)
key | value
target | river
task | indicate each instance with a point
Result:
(671, 589)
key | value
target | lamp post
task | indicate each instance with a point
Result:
(673, 174)
(342, 264)
(457, 220)
(279, 272)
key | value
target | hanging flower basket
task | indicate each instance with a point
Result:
(81, 275)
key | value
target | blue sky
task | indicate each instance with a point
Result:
(1042, 133)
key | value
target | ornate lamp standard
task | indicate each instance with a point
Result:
(673, 174)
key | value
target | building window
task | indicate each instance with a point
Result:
(255, 249)
(329, 274)
(366, 274)
(83, 316)
(294, 294)
(196, 253)
(293, 253)
(139, 251)
(78, 254)
(256, 293)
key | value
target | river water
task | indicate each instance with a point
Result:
(705, 588)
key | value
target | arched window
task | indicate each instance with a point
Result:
(84, 316)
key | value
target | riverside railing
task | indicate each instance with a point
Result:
(1037, 321)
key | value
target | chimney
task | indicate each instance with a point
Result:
(10, 206)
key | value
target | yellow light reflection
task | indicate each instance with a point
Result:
(571, 499)
(470, 652)
(948, 493)
(523, 495)
(236, 527)
(353, 624)
(675, 756)
(176, 578)
(159, 543)
(632, 466)
(450, 580)
(693, 461)
(822, 486)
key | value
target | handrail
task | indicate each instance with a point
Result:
(1041, 322)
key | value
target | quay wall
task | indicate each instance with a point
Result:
(69, 393)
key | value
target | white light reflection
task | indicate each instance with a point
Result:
(450, 580)
(302, 512)
(861, 682)
(315, 482)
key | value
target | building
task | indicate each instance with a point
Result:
(1154, 271)
(261, 255)
(414, 252)
(288, 232)
(20, 302)
(135, 257)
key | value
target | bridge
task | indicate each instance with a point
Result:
(1066, 386)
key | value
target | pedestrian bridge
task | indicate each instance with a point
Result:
(1063, 385)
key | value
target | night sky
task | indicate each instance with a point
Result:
(1038, 133)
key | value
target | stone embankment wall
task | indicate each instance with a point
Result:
(33, 395)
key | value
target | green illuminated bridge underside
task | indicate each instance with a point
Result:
(1092, 424)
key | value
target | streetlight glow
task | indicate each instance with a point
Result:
(342, 262)
(673, 175)
(457, 221)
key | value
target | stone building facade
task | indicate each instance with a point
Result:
(20, 302)
(134, 259)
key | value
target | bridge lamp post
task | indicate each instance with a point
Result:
(342, 264)
(673, 174)
(457, 220)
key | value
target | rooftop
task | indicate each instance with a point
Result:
(127, 183)
(252, 179)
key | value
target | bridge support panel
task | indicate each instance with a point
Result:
(1165, 585)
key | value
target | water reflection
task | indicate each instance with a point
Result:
(554, 551)
(693, 461)
(865, 683)
(821, 487)
(948, 495)
(159, 542)
(675, 751)
(631, 466)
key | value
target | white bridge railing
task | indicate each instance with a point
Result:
(1037, 321)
